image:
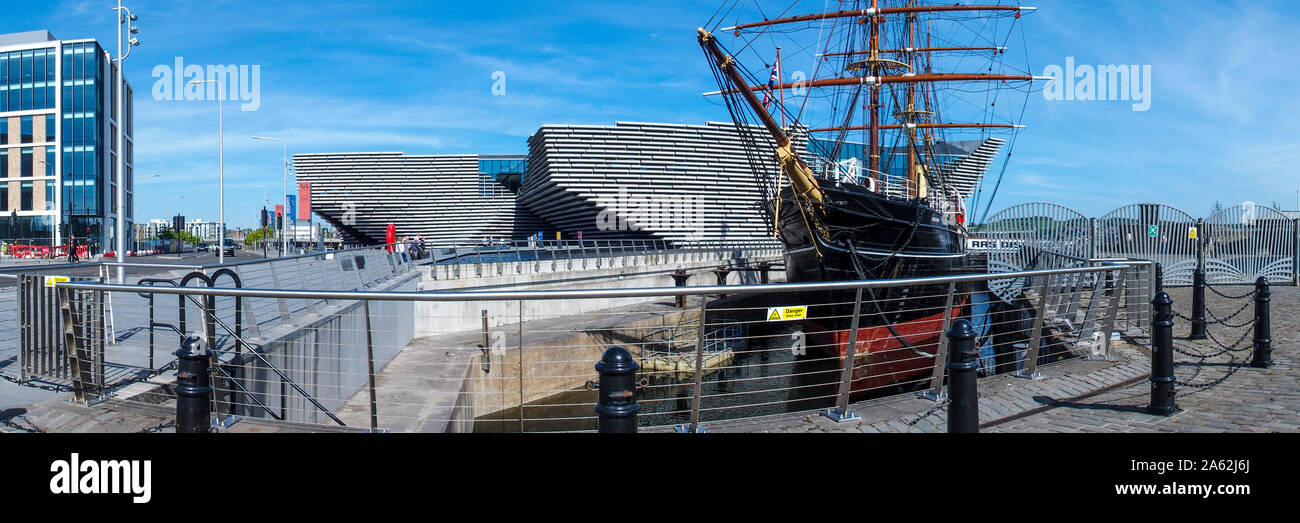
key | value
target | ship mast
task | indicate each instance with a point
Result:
(873, 163)
(801, 177)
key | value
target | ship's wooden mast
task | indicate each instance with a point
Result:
(913, 177)
(801, 177)
(873, 162)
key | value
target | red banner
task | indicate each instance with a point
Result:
(279, 210)
(304, 200)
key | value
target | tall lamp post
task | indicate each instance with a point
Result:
(124, 17)
(284, 223)
(221, 174)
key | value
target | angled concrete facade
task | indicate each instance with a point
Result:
(675, 182)
(441, 198)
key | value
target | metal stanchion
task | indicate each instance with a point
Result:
(1263, 356)
(963, 411)
(841, 412)
(1198, 304)
(1162, 357)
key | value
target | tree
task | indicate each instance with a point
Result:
(257, 236)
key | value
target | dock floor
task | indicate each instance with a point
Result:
(1215, 394)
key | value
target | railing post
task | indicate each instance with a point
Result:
(193, 387)
(370, 368)
(1263, 356)
(617, 408)
(841, 411)
(1162, 357)
(1198, 304)
(1036, 337)
(941, 353)
(963, 410)
(697, 388)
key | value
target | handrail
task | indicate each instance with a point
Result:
(588, 293)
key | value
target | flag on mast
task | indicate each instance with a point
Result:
(771, 85)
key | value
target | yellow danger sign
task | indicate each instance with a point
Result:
(51, 280)
(1191, 233)
(787, 313)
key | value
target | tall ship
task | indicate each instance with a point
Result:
(901, 107)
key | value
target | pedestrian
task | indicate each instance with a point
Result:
(72, 248)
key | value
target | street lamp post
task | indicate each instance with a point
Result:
(124, 17)
(284, 222)
(221, 174)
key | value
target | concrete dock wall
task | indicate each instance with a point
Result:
(650, 270)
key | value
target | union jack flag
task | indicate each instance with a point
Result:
(768, 97)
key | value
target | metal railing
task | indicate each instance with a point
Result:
(407, 361)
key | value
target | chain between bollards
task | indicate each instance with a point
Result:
(1263, 356)
(193, 387)
(1162, 356)
(963, 409)
(617, 407)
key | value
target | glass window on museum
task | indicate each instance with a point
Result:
(49, 127)
(26, 196)
(15, 84)
(25, 163)
(4, 82)
(4, 163)
(25, 128)
(4, 196)
(4, 131)
(49, 161)
(49, 195)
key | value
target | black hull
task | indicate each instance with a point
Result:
(871, 237)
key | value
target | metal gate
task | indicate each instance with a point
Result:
(1150, 231)
(1035, 235)
(43, 346)
(1246, 241)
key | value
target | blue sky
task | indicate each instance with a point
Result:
(417, 77)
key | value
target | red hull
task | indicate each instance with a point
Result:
(880, 359)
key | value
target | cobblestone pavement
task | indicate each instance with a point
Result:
(1215, 390)
(115, 416)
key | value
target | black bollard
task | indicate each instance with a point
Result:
(617, 407)
(1198, 305)
(679, 278)
(1263, 337)
(963, 409)
(193, 388)
(1162, 356)
(1160, 278)
(763, 267)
